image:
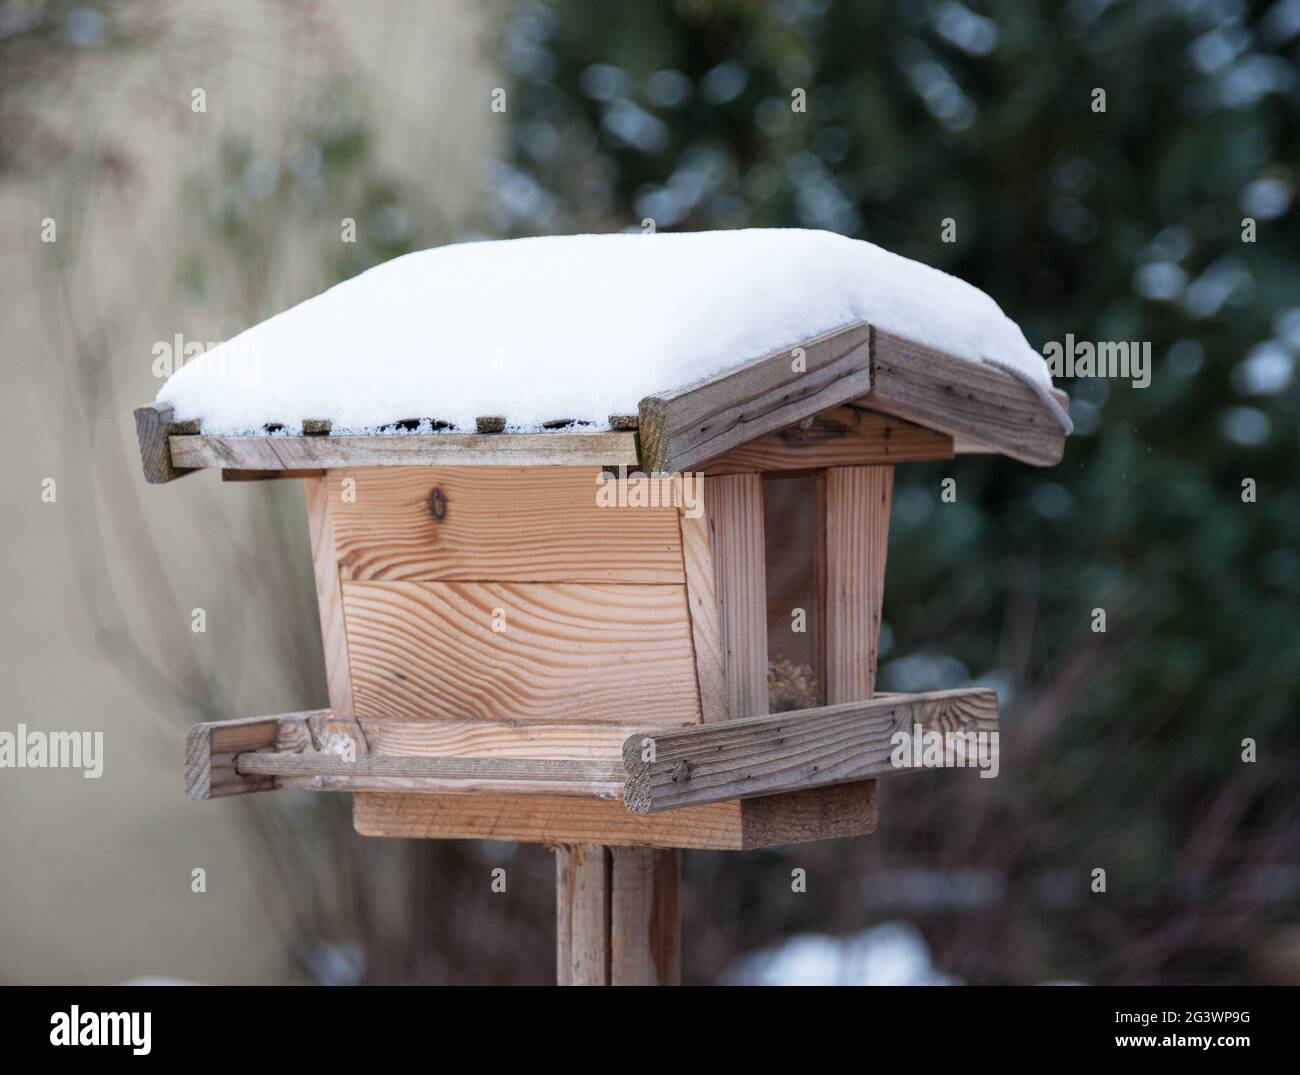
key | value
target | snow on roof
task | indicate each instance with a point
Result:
(578, 327)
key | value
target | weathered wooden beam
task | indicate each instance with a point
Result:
(820, 814)
(403, 449)
(322, 738)
(841, 437)
(153, 425)
(378, 772)
(685, 427)
(803, 749)
(972, 401)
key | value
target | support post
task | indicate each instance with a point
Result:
(857, 506)
(618, 920)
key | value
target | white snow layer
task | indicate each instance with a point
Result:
(579, 327)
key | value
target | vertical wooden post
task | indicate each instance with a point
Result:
(582, 912)
(329, 595)
(857, 538)
(618, 921)
(645, 917)
(735, 511)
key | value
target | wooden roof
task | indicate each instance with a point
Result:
(982, 407)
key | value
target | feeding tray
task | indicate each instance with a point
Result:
(572, 628)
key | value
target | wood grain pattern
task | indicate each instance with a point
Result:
(857, 537)
(683, 428)
(706, 634)
(582, 919)
(153, 424)
(842, 436)
(819, 814)
(969, 400)
(210, 757)
(567, 651)
(739, 759)
(545, 821)
(495, 739)
(734, 506)
(405, 449)
(830, 813)
(500, 524)
(617, 916)
(329, 596)
(645, 933)
(481, 776)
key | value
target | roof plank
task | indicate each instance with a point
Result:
(443, 449)
(685, 427)
(973, 401)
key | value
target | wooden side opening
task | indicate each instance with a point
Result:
(826, 535)
(794, 539)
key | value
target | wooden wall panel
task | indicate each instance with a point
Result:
(501, 524)
(566, 651)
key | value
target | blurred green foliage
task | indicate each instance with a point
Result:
(1121, 750)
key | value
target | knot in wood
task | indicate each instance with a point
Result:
(438, 504)
(681, 771)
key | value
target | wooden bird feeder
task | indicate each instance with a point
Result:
(511, 659)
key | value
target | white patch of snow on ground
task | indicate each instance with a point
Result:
(893, 953)
(572, 327)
